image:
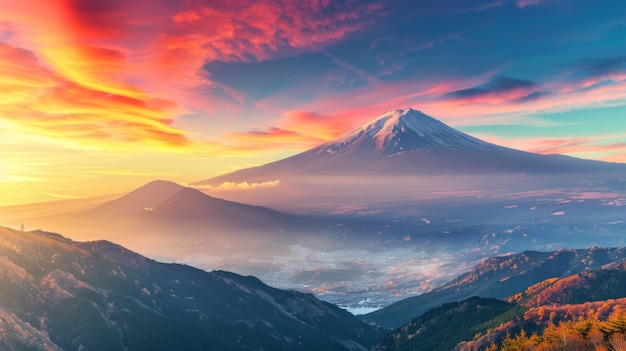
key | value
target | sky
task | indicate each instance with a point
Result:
(101, 96)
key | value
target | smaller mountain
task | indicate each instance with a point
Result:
(191, 205)
(595, 325)
(57, 294)
(608, 282)
(492, 325)
(442, 328)
(582, 311)
(499, 277)
(143, 198)
(170, 221)
(165, 203)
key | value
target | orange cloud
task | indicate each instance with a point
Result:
(204, 31)
(272, 138)
(323, 126)
(92, 72)
(248, 30)
(105, 65)
(44, 104)
(72, 85)
(302, 130)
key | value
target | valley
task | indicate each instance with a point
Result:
(370, 238)
(422, 221)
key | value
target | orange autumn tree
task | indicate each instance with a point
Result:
(588, 333)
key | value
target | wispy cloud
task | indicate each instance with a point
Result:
(272, 138)
(239, 186)
(525, 3)
(43, 103)
(96, 72)
(573, 146)
(253, 30)
(582, 147)
(250, 80)
(498, 89)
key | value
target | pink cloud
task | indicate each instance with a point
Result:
(44, 104)
(255, 30)
(333, 114)
(148, 57)
(323, 126)
(118, 53)
(596, 146)
(573, 146)
(525, 3)
(433, 97)
(271, 138)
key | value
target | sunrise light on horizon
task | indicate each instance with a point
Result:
(99, 97)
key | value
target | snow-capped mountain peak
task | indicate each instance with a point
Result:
(402, 131)
(408, 142)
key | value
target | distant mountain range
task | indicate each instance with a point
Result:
(500, 277)
(57, 294)
(408, 142)
(581, 311)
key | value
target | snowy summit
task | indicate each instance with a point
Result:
(409, 142)
(405, 130)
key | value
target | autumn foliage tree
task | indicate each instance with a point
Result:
(585, 334)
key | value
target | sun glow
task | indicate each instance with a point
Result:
(232, 85)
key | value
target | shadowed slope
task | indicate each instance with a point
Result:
(104, 297)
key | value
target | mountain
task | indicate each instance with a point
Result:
(141, 199)
(442, 328)
(189, 205)
(606, 283)
(165, 201)
(172, 223)
(585, 308)
(170, 220)
(597, 325)
(492, 325)
(411, 143)
(57, 294)
(498, 277)
(402, 131)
